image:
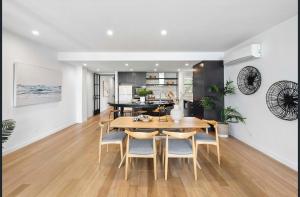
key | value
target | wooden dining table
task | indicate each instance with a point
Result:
(186, 123)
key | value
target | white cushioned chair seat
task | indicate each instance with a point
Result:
(141, 146)
(114, 136)
(204, 137)
(180, 147)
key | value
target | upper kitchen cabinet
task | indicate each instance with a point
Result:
(132, 78)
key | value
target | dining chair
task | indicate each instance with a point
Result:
(180, 145)
(141, 145)
(207, 139)
(112, 113)
(108, 136)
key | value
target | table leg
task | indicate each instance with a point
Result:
(115, 114)
(122, 111)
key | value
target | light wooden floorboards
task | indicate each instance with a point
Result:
(66, 164)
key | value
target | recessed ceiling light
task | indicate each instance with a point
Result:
(163, 32)
(126, 64)
(35, 32)
(186, 64)
(84, 64)
(131, 69)
(98, 69)
(178, 69)
(110, 32)
(155, 69)
(156, 65)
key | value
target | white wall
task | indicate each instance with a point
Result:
(90, 93)
(116, 87)
(181, 89)
(36, 121)
(265, 132)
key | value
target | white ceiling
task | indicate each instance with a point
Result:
(192, 25)
(138, 66)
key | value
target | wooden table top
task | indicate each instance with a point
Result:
(184, 123)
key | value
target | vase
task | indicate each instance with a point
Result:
(176, 114)
(223, 130)
(142, 99)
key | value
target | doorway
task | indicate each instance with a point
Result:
(107, 91)
(96, 94)
(104, 92)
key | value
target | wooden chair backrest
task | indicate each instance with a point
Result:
(180, 135)
(215, 125)
(141, 135)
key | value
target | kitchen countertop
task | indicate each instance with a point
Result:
(188, 99)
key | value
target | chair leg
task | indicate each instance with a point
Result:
(163, 158)
(218, 153)
(107, 148)
(121, 150)
(196, 152)
(195, 167)
(166, 168)
(126, 167)
(154, 165)
(99, 154)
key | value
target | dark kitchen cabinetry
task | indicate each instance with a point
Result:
(188, 108)
(132, 78)
(205, 74)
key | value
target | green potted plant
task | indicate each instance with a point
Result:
(228, 114)
(8, 127)
(143, 92)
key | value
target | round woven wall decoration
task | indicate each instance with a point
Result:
(249, 80)
(282, 100)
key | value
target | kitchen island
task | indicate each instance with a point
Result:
(148, 105)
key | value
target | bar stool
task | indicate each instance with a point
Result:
(138, 111)
(127, 111)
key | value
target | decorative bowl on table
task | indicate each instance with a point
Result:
(143, 118)
(146, 118)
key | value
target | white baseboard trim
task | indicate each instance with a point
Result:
(271, 154)
(223, 136)
(32, 140)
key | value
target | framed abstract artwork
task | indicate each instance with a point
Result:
(35, 85)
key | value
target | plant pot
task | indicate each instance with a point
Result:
(223, 129)
(142, 99)
(176, 114)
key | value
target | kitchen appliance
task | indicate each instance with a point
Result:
(125, 93)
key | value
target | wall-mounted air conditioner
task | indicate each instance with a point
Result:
(242, 54)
